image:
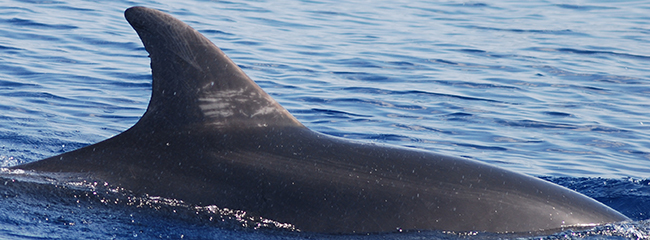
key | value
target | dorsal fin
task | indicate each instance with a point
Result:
(195, 83)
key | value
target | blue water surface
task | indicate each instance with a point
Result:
(554, 89)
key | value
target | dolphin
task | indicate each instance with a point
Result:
(212, 137)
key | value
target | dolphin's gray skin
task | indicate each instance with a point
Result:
(211, 136)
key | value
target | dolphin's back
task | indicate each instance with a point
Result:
(211, 136)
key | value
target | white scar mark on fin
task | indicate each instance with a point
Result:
(220, 104)
(227, 104)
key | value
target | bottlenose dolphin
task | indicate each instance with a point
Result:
(211, 136)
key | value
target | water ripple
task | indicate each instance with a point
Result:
(582, 51)
(17, 22)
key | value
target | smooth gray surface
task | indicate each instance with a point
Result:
(211, 136)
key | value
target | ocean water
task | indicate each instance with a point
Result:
(554, 89)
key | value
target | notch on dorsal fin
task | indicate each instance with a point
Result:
(195, 83)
